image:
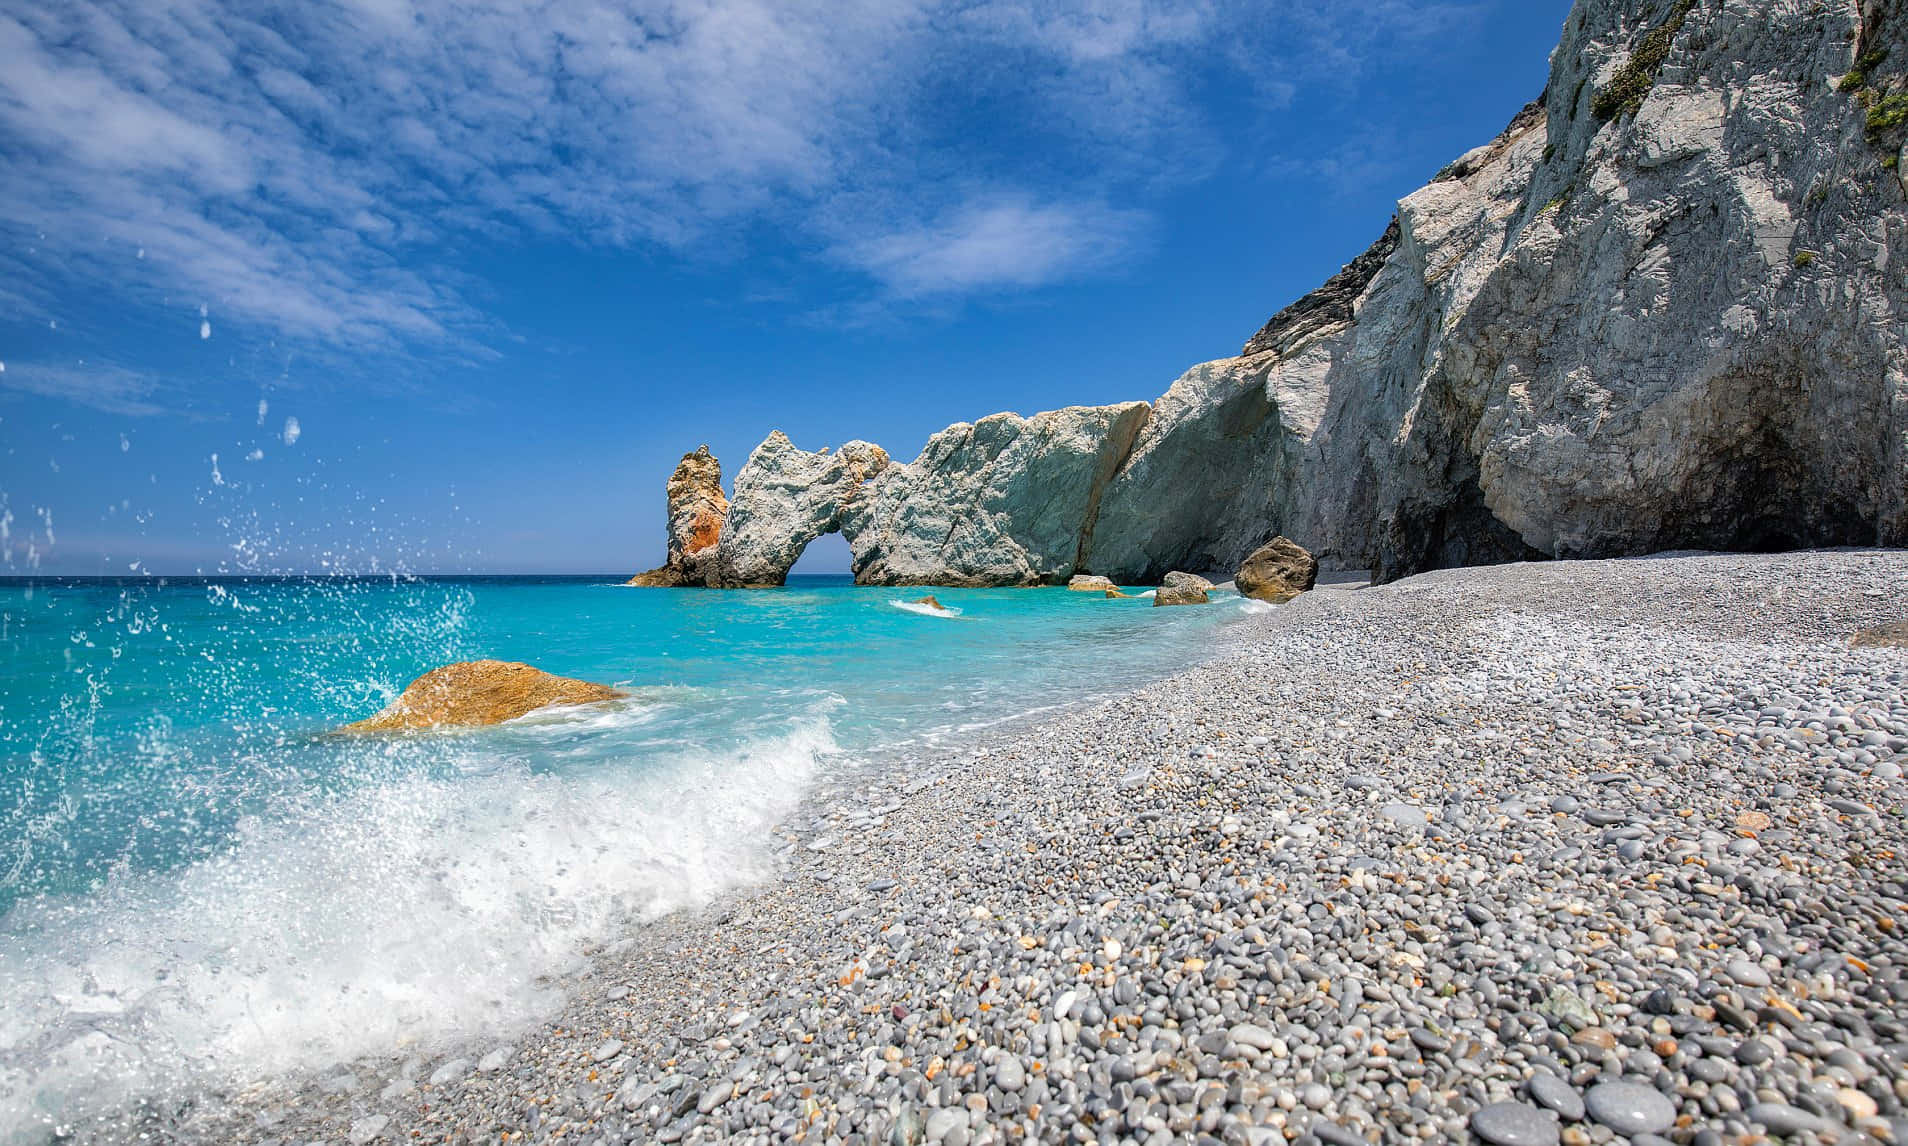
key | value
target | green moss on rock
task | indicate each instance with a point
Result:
(1626, 91)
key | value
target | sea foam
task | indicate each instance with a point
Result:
(926, 610)
(376, 920)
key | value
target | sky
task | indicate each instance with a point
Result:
(396, 285)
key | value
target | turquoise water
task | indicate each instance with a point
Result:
(198, 885)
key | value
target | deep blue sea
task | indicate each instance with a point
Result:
(199, 886)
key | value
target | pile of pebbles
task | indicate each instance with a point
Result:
(1594, 852)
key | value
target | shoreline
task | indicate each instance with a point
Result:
(847, 991)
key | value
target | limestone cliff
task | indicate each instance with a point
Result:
(1663, 309)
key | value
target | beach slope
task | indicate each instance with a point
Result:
(1514, 853)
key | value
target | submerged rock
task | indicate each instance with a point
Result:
(1090, 583)
(1179, 595)
(930, 602)
(1116, 595)
(472, 693)
(1277, 571)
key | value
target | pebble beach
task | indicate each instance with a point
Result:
(1585, 852)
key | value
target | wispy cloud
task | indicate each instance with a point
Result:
(299, 165)
(994, 242)
(112, 388)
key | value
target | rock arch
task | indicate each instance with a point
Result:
(785, 498)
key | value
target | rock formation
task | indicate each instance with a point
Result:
(1004, 501)
(1664, 309)
(1179, 580)
(480, 692)
(697, 510)
(786, 498)
(1277, 571)
(1179, 595)
(1090, 583)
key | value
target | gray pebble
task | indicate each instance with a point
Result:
(1556, 1094)
(1630, 1107)
(1781, 1118)
(1515, 1124)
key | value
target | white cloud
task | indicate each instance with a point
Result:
(290, 162)
(993, 243)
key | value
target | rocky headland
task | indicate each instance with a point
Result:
(1663, 309)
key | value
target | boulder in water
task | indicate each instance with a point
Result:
(931, 603)
(1277, 571)
(472, 693)
(1088, 583)
(1116, 595)
(1179, 580)
(1179, 595)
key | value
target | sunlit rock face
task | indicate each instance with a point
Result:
(697, 510)
(1006, 500)
(1663, 309)
(476, 693)
(785, 498)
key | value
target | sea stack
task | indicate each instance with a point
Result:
(697, 511)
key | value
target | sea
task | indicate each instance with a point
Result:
(203, 885)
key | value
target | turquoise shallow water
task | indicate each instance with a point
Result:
(198, 885)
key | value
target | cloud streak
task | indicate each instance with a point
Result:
(299, 165)
(993, 243)
(111, 388)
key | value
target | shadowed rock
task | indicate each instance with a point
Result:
(472, 693)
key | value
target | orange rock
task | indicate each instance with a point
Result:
(480, 692)
(1753, 821)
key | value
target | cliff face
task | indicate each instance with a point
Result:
(1676, 326)
(1663, 309)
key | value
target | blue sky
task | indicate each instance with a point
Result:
(451, 286)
